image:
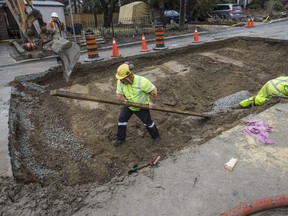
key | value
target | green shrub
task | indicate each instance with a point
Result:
(278, 5)
(254, 6)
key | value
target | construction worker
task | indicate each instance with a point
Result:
(135, 89)
(56, 27)
(278, 86)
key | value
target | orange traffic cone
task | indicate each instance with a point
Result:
(196, 36)
(144, 45)
(248, 23)
(115, 52)
(252, 22)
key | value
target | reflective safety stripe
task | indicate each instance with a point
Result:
(278, 81)
(151, 126)
(122, 123)
(142, 97)
(275, 86)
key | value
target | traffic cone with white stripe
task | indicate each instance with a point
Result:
(252, 22)
(144, 45)
(115, 52)
(248, 23)
(196, 36)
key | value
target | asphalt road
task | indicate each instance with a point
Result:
(193, 179)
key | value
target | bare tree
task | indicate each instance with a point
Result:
(92, 6)
(108, 7)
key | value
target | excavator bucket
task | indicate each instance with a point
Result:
(69, 52)
(69, 59)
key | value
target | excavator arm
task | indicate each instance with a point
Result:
(68, 51)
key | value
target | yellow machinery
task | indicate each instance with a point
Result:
(68, 51)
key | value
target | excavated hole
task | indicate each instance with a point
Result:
(68, 141)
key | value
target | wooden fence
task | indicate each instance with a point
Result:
(83, 22)
(87, 20)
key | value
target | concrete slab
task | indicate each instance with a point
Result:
(5, 166)
(194, 181)
(5, 54)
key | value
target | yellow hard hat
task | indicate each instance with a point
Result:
(123, 71)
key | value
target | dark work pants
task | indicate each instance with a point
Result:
(58, 59)
(143, 115)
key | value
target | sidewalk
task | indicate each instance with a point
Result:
(194, 182)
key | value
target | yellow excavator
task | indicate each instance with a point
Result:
(28, 22)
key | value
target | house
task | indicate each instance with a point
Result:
(9, 27)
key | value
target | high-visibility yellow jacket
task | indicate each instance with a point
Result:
(278, 86)
(137, 92)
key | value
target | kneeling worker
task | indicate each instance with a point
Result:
(135, 89)
(278, 86)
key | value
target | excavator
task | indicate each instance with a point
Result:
(33, 29)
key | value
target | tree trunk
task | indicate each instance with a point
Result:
(95, 17)
(182, 14)
(75, 6)
(108, 9)
(161, 11)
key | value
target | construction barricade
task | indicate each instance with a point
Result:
(92, 48)
(159, 32)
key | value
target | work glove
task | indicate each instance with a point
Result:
(151, 105)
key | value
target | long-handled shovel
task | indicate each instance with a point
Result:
(87, 97)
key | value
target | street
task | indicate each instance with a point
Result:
(187, 182)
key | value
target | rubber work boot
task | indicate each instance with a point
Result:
(157, 140)
(118, 142)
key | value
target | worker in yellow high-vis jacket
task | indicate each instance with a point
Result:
(278, 86)
(135, 89)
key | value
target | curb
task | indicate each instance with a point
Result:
(132, 43)
(101, 48)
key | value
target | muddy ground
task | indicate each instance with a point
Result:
(61, 148)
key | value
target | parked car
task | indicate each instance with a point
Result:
(172, 16)
(228, 11)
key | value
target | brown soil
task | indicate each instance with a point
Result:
(69, 141)
(59, 142)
